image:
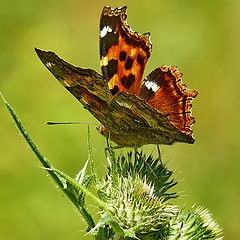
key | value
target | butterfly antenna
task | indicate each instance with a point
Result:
(68, 123)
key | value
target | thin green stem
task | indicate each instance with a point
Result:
(47, 165)
(36, 150)
(83, 189)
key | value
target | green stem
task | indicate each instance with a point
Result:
(81, 188)
(46, 164)
(33, 146)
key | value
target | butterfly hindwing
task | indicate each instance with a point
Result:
(163, 90)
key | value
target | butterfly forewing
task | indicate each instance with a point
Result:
(123, 52)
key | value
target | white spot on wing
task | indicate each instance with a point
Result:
(105, 30)
(151, 85)
(49, 64)
(104, 61)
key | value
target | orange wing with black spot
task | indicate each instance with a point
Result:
(123, 52)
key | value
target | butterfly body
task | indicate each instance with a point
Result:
(132, 111)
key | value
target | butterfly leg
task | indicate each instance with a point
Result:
(112, 147)
(109, 147)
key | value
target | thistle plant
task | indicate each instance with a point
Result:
(134, 198)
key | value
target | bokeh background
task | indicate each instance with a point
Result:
(200, 37)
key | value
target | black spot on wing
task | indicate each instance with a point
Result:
(123, 81)
(128, 63)
(110, 70)
(122, 56)
(115, 90)
(130, 80)
(127, 81)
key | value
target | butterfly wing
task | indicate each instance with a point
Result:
(163, 90)
(156, 110)
(86, 85)
(123, 52)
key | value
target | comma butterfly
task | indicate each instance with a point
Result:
(132, 111)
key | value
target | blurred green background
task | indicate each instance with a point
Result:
(200, 37)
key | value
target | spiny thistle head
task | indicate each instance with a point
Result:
(153, 171)
(136, 206)
(194, 224)
(139, 208)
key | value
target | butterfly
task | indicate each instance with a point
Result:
(133, 111)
